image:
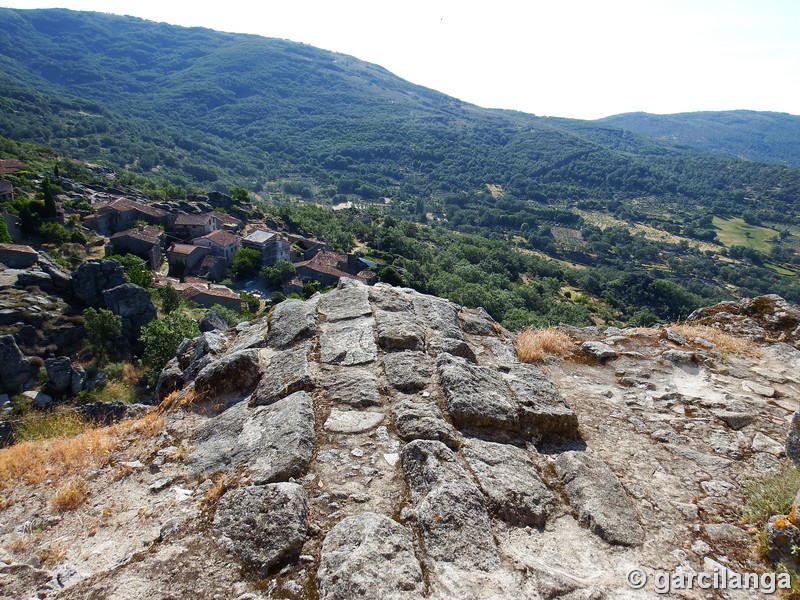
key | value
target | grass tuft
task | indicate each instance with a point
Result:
(534, 345)
(772, 495)
(725, 342)
(69, 496)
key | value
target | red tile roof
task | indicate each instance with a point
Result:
(183, 220)
(218, 237)
(10, 166)
(226, 218)
(219, 292)
(151, 235)
(125, 204)
(183, 249)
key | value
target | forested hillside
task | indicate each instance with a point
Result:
(483, 206)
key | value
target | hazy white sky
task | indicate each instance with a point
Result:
(568, 58)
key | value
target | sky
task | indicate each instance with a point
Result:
(583, 59)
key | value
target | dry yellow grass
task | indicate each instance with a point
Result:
(725, 342)
(69, 496)
(215, 492)
(535, 345)
(178, 399)
(53, 459)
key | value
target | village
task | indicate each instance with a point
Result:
(191, 244)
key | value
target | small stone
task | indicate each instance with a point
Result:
(675, 337)
(357, 452)
(391, 458)
(159, 485)
(599, 351)
(679, 357)
(352, 421)
(700, 548)
(763, 443)
(734, 420)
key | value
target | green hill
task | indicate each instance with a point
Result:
(759, 136)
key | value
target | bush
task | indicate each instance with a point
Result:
(161, 339)
(246, 263)
(391, 276)
(55, 233)
(170, 298)
(278, 273)
(102, 328)
(136, 269)
(535, 345)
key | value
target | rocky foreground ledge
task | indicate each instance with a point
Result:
(380, 443)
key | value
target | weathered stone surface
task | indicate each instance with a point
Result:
(252, 334)
(763, 443)
(449, 508)
(423, 421)
(398, 331)
(351, 385)
(599, 351)
(509, 480)
(274, 442)
(77, 380)
(133, 304)
(369, 556)
(599, 498)
(286, 372)
(169, 380)
(542, 407)
(15, 369)
(439, 316)
(477, 321)
(679, 357)
(783, 536)
(350, 342)
(233, 372)
(292, 321)
(263, 525)
(387, 297)
(734, 419)
(793, 439)
(36, 278)
(93, 277)
(477, 396)
(757, 388)
(212, 321)
(345, 302)
(352, 421)
(59, 374)
(409, 370)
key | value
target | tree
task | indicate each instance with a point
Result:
(136, 269)
(170, 298)
(161, 339)
(49, 192)
(238, 194)
(278, 273)
(245, 263)
(251, 300)
(5, 236)
(391, 276)
(102, 328)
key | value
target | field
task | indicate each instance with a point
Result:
(735, 232)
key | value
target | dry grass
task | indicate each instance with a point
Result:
(215, 492)
(53, 459)
(534, 345)
(725, 342)
(179, 399)
(69, 496)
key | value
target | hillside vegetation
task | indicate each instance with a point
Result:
(472, 204)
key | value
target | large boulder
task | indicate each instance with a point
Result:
(369, 556)
(59, 374)
(15, 369)
(598, 497)
(263, 525)
(93, 277)
(133, 304)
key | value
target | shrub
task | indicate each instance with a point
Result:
(48, 426)
(161, 339)
(536, 344)
(136, 269)
(102, 328)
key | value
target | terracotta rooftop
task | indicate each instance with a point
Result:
(124, 204)
(219, 292)
(218, 237)
(10, 166)
(226, 218)
(17, 248)
(151, 235)
(186, 249)
(193, 219)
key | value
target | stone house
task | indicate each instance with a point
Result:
(272, 246)
(144, 242)
(221, 243)
(119, 215)
(228, 222)
(6, 191)
(183, 258)
(187, 227)
(16, 256)
(329, 267)
(208, 295)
